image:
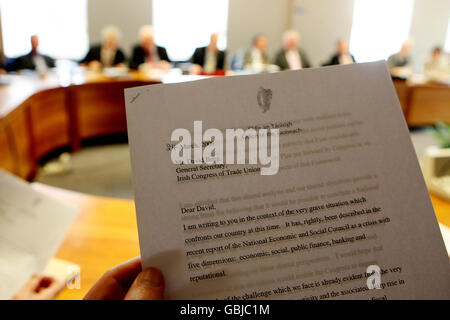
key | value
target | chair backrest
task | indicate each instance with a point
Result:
(9, 64)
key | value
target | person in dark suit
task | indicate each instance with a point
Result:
(148, 53)
(34, 60)
(208, 59)
(108, 54)
(291, 57)
(342, 55)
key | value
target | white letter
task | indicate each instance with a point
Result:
(198, 142)
(185, 142)
(73, 279)
(216, 146)
(274, 158)
(374, 281)
(240, 136)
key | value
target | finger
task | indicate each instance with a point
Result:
(51, 292)
(149, 285)
(33, 284)
(114, 284)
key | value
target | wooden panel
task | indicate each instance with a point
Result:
(100, 109)
(50, 121)
(19, 126)
(6, 154)
(429, 105)
(42, 116)
(403, 94)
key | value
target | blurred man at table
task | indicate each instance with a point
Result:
(342, 55)
(34, 60)
(148, 53)
(108, 54)
(255, 58)
(208, 59)
(437, 67)
(291, 57)
(400, 64)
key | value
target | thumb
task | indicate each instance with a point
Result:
(148, 285)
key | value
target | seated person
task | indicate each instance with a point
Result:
(147, 52)
(400, 64)
(108, 54)
(342, 55)
(291, 57)
(34, 60)
(40, 288)
(208, 59)
(438, 66)
(237, 61)
(255, 58)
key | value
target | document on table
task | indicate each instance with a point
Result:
(344, 211)
(32, 227)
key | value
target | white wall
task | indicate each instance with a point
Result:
(428, 28)
(249, 17)
(321, 23)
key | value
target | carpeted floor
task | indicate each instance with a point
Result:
(99, 170)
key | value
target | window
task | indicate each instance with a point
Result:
(379, 28)
(60, 24)
(181, 26)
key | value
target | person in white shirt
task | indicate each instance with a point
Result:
(438, 66)
(291, 57)
(342, 55)
(255, 58)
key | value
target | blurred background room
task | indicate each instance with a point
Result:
(95, 48)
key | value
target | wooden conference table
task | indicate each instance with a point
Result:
(424, 104)
(40, 115)
(105, 234)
